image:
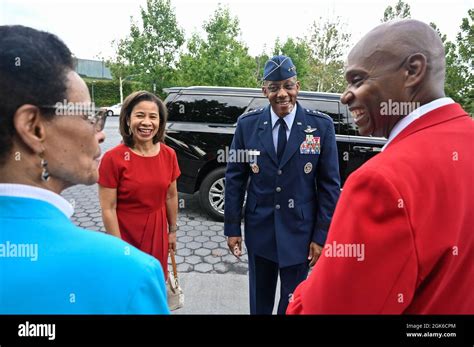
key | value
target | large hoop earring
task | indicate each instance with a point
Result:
(45, 173)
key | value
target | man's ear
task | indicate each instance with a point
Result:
(30, 128)
(264, 91)
(415, 66)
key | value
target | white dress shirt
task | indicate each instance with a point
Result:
(417, 113)
(25, 191)
(289, 118)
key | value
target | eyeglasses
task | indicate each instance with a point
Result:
(96, 116)
(273, 88)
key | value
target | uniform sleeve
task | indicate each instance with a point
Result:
(236, 177)
(329, 185)
(369, 264)
(150, 295)
(108, 172)
(176, 172)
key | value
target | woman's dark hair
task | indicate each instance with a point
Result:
(129, 103)
(33, 69)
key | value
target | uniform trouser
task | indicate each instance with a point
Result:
(263, 275)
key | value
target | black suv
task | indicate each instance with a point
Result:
(202, 121)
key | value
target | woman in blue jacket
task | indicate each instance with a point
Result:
(49, 141)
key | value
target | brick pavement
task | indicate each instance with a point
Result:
(201, 245)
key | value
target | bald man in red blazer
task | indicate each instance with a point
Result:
(402, 235)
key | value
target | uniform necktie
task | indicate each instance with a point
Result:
(281, 139)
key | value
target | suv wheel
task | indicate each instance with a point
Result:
(211, 194)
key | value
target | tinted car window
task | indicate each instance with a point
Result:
(207, 108)
(170, 97)
(331, 108)
(258, 103)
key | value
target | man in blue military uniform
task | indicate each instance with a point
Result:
(293, 189)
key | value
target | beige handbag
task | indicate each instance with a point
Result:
(173, 290)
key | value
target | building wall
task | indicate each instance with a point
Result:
(92, 68)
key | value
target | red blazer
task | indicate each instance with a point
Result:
(410, 210)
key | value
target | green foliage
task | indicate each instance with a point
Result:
(465, 63)
(149, 53)
(328, 43)
(401, 10)
(107, 93)
(300, 53)
(328, 77)
(260, 61)
(459, 84)
(219, 59)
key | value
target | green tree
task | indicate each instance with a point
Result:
(260, 61)
(401, 10)
(465, 52)
(300, 53)
(106, 92)
(328, 43)
(459, 83)
(218, 59)
(149, 52)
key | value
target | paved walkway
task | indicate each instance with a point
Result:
(201, 244)
(216, 294)
(213, 280)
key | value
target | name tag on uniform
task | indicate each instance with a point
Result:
(253, 152)
(311, 145)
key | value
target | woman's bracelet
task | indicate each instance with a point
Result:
(172, 228)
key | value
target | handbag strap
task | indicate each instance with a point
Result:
(173, 263)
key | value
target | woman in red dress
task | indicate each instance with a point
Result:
(137, 180)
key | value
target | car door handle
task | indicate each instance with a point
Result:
(364, 149)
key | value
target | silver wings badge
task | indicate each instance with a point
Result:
(310, 130)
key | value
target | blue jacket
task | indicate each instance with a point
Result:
(288, 204)
(50, 266)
